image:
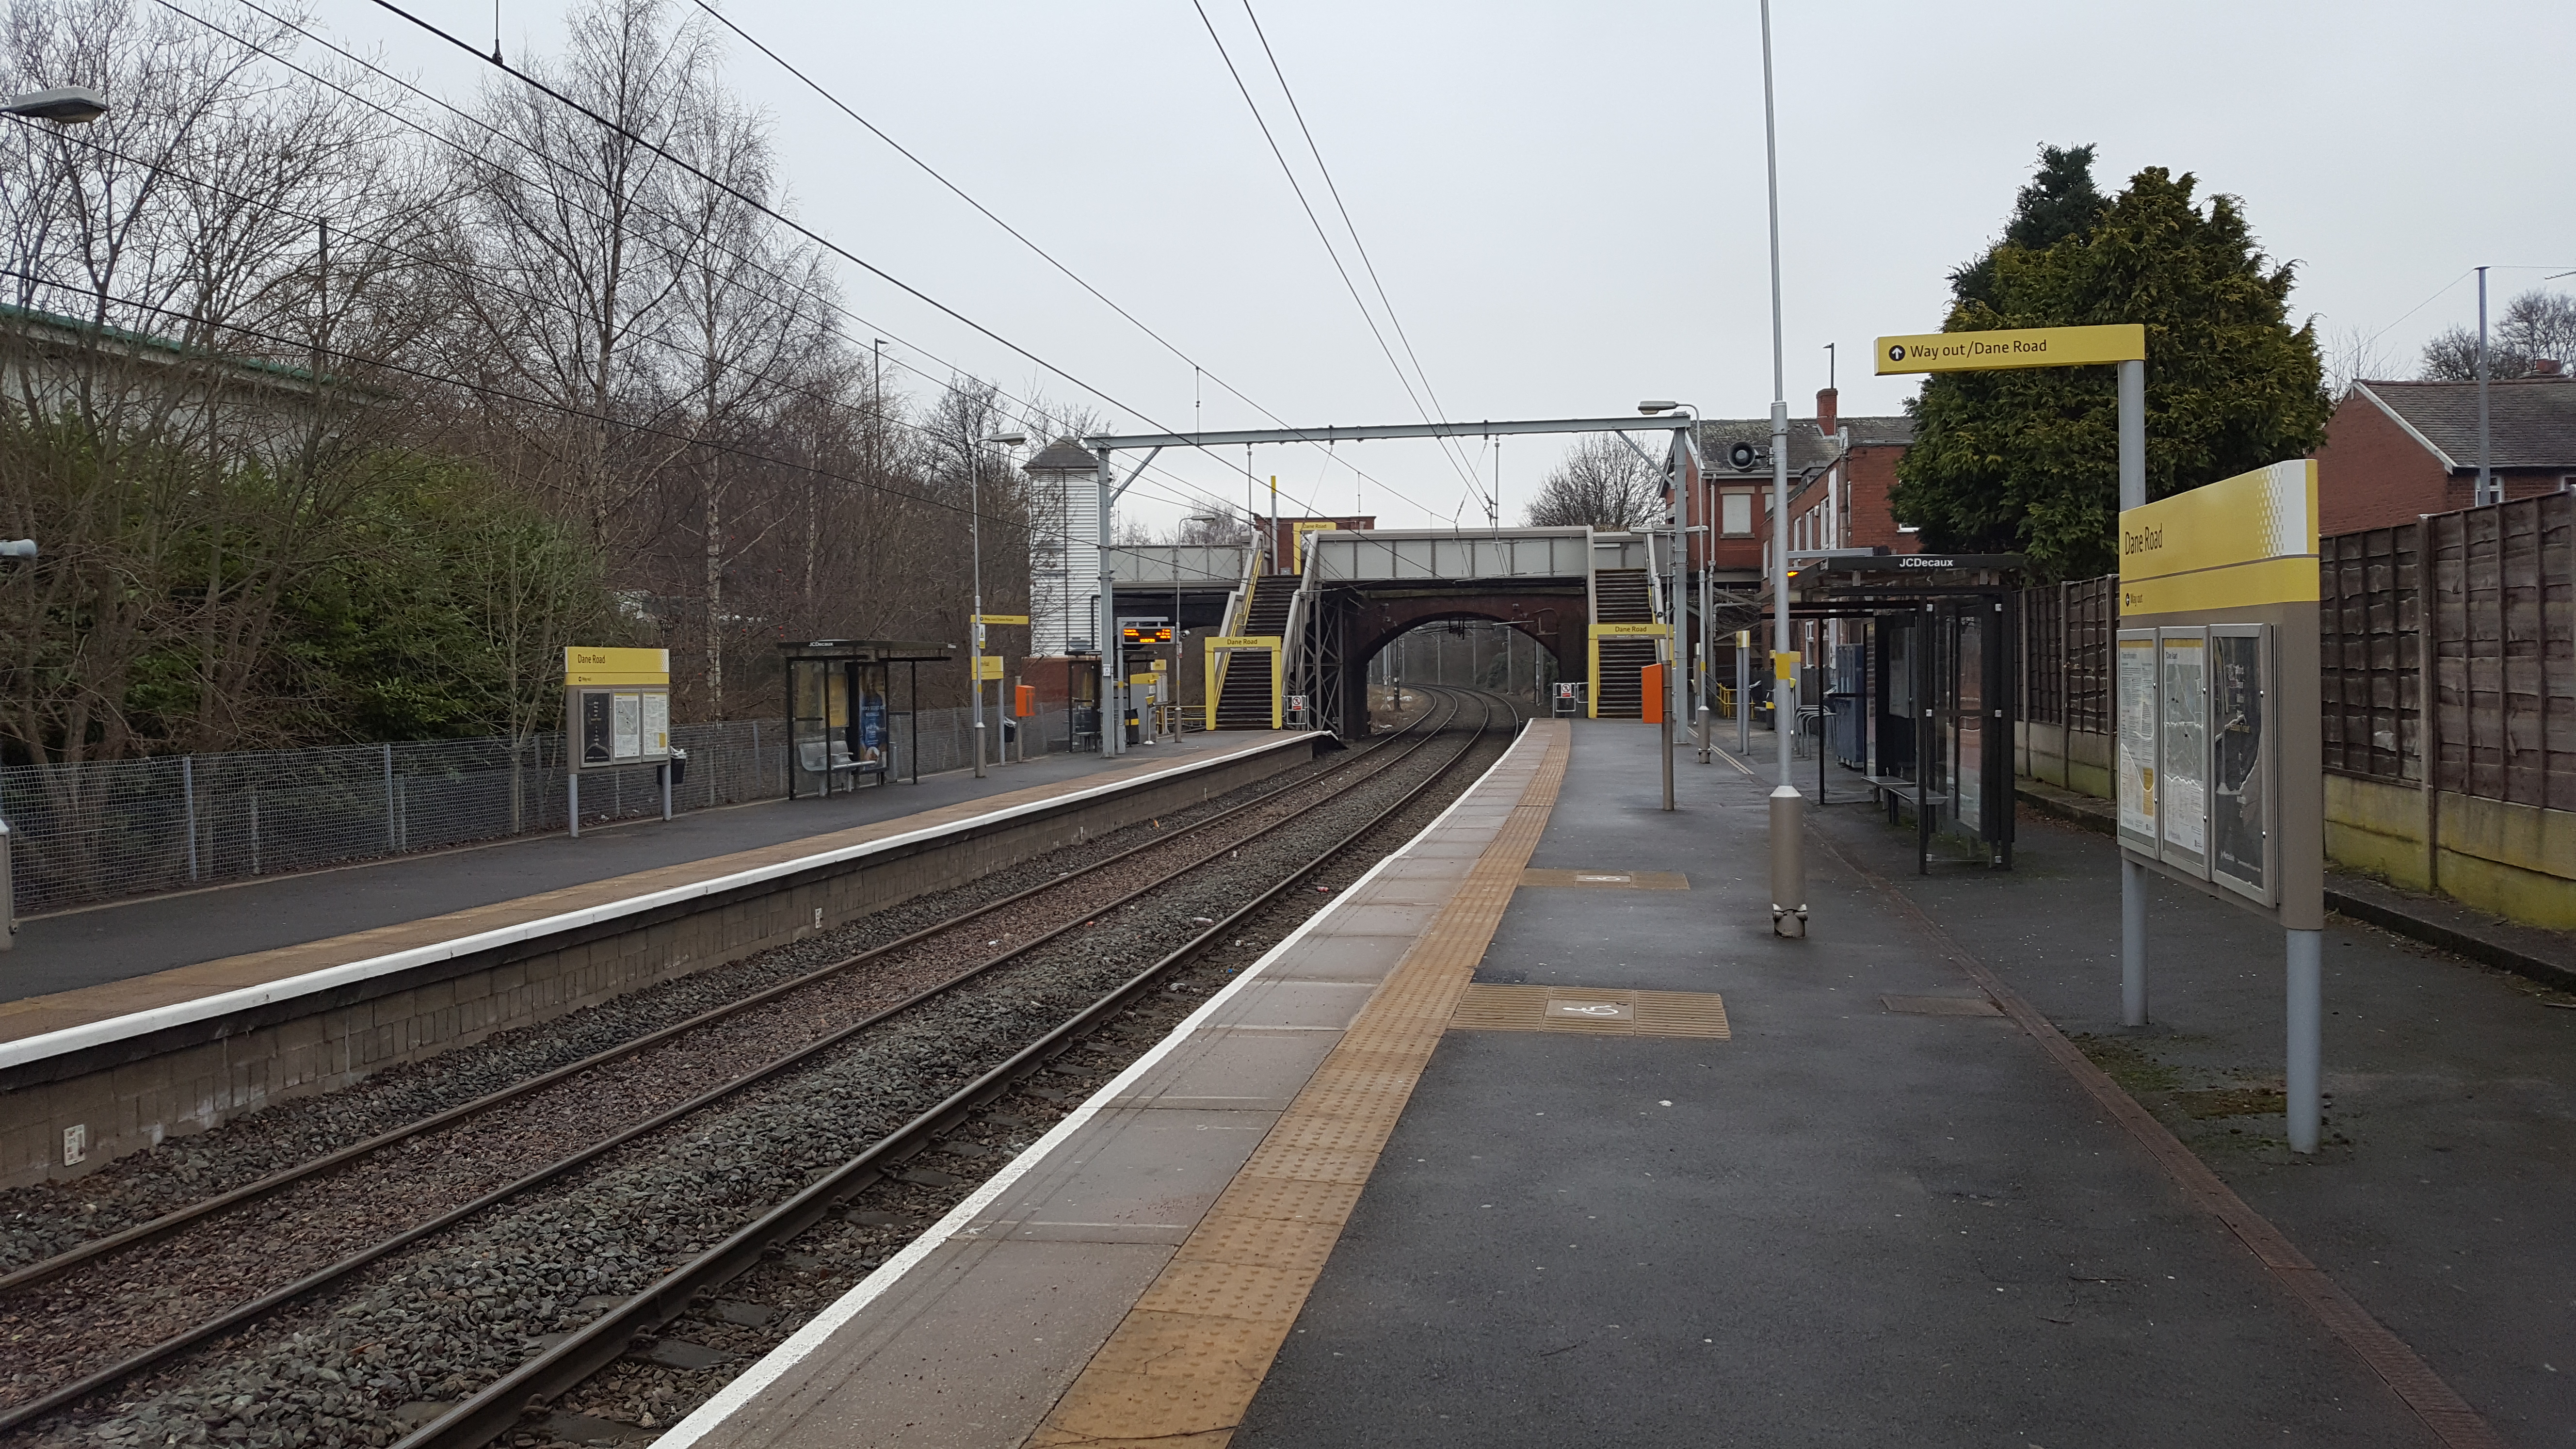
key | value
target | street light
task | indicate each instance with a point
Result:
(975, 535)
(1788, 862)
(1674, 692)
(64, 105)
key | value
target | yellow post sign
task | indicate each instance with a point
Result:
(2017, 347)
(988, 666)
(1001, 618)
(586, 666)
(2241, 542)
(1648, 631)
(1299, 531)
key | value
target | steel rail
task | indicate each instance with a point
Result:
(250, 1311)
(495, 1410)
(156, 1228)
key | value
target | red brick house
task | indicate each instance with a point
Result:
(2395, 451)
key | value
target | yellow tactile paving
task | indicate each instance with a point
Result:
(1183, 1366)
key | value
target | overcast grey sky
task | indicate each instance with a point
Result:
(1565, 202)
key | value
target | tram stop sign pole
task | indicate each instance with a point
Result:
(2219, 757)
(2217, 663)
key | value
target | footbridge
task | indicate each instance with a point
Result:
(1598, 601)
(1300, 630)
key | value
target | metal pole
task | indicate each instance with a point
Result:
(975, 630)
(666, 789)
(572, 797)
(1788, 865)
(1113, 717)
(1743, 691)
(2307, 1037)
(188, 789)
(393, 837)
(2486, 477)
(2133, 874)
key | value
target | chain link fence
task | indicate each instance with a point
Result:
(96, 832)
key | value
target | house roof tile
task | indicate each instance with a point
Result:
(2531, 422)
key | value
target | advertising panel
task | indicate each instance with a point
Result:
(2182, 749)
(2241, 790)
(2136, 684)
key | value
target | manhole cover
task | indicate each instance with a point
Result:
(1564, 1008)
(1605, 878)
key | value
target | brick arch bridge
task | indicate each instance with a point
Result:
(1357, 625)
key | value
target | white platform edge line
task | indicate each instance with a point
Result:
(774, 1364)
(141, 1023)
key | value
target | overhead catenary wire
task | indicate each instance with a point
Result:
(718, 445)
(801, 390)
(853, 258)
(1027, 405)
(1367, 263)
(1323, 236)
(1197, 369)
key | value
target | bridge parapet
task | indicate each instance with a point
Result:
(1342, 556)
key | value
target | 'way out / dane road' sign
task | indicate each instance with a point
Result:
(2021, 347)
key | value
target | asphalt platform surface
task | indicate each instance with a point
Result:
(86, 947)
(1852, 1224)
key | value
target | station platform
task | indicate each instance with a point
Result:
(103, 962)
(1538, 1136)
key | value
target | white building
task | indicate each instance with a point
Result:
(1064, 548)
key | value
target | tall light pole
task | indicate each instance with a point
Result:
(975, 546)
(23, 551)
(1788, 864)
(64, 105)
(1677, 588)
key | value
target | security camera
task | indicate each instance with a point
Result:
(1745, 457)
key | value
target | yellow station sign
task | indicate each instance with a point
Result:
(587, 666)
(1001, 618)
(1244, 641)
(1651, 631)
(2017, 347)
(2242, 541)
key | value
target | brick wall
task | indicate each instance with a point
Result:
(2372, 473)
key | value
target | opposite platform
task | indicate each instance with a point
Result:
(89, 1074)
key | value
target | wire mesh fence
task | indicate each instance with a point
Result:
(94, 832)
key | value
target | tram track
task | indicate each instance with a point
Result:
(1085, 913)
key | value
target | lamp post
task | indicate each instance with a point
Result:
(1788, 865)
(975, 548)
(1677, 574)
(63, 105)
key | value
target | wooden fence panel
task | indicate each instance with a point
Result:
(2496, 589)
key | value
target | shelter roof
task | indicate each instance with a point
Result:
(2531, 422)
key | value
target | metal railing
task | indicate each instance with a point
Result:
(103, 831)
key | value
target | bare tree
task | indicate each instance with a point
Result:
(1601, 482)
(745, 341)
(576, 230)
(2535, 327)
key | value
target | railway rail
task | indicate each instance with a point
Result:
(669, 1069)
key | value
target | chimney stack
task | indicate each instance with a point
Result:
(1828, 413)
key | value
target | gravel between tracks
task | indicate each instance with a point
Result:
(432, 1322)
(48, 1218)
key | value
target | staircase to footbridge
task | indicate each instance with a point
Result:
(1595, 600)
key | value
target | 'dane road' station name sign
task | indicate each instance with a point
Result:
(2021, 347)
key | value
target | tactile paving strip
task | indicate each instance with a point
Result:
(1485, 1007)
(1182, 1367)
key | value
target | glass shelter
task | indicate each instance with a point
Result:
(1924, 688)
(846, 723)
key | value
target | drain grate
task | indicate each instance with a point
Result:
(1613, 1013)
(1941, 1005)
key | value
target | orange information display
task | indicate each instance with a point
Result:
(1650, 683)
